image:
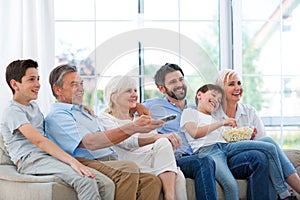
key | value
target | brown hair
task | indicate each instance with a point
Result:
(208, 87)
(17, 69)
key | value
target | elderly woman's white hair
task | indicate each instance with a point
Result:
(224, 75)
(115, 86)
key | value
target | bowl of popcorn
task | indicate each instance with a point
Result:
(237, 134)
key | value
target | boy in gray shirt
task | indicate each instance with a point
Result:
(32, 153)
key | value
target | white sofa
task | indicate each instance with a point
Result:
(14, 185)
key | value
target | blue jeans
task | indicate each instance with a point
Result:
(287, 167)
(223, 174)
(220, 152)
(202, 170)
(253, 166)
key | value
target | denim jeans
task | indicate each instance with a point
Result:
(202, 170)
(287, 167)
(253, 166)
(223, 174)
(221, 151)
(270, 150)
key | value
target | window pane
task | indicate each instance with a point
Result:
(195, 75)
(291, 96)
(161, 10)
(291, 42)
(261, 47)
(289, 140)
(74, 9)
(199, 10)
(206, 35)
(90, 95)
(270, 71)
(73, 42)
(116, 9)
(259, 91)
(126, 64)
(106, 31)
(259, 10)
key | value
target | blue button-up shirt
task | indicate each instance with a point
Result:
(67, 124)
(161, 107)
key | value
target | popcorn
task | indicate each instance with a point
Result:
(237, 134)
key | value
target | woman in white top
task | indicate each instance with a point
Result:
(152, 152)
(246, 115)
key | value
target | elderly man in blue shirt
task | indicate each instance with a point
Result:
(81, 135)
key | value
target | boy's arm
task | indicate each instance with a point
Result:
(201, 131)
(48, 146)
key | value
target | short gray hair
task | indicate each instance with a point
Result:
(57, 74)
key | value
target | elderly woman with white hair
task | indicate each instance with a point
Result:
(152, 152)
(246, 115)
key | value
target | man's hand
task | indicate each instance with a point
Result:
(140, 109)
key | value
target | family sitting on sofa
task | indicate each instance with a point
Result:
(121, 156)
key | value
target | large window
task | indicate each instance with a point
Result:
(257, 38)
(135, 38)
(268, 31)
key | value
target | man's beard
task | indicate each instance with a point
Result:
(172, 94)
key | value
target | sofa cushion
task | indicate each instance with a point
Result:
(4, 157)
(9, 173)
(192, 196)
(294, 157)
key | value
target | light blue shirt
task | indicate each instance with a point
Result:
(67, 124)
(160, 107)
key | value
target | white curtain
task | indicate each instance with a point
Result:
(27, 31)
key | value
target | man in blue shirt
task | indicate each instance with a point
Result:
(82, 136)
(250, 165)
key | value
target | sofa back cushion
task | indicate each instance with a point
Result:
(294, 156)
(4, 157)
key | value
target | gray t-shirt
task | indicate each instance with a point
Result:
(14, 116)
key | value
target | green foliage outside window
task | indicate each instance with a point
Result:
(251, 81)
